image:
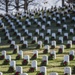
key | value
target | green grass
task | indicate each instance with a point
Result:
(53, 65)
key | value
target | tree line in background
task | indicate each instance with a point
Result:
(9, 5)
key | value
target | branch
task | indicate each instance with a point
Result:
(11, 9)
(30, 1)
(12, 5)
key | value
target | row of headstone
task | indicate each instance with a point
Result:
(47, 38)
(67, 70)
(35, 54)
(71, 30)
(45, 10)
(22, 39)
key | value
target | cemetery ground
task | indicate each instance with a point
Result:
(53, 65)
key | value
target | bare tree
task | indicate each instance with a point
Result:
(33, 3)
(26, 3)
(17, 4)
(4, 5)
(8, 5)
(23, 4)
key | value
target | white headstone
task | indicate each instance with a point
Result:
(67, 70)
(27, 20)
(49, 31)
(8, 57)
(19, 69)
(21, 53)
(47, 38)
(23, 27)
(73, 18)
(47, 47)
(65, 26)
(70, 42)
(45, 14)
(62, 47)
(43, 69)
(13, 42)
(58, 22)
(66, 34)
(35, 39)
(68, 15)
(58, 15)
(44, 19)
(42, 34)
(19, 34)
(54, 53)
(66, 58)
(13, 27)
(71, 30)
(40, 43)
(7, 34)
(17, 48)
(73, 38)
(16, 30)
(49, 23)
(72, 52)
(4, 53)
(39, 23)
(17, 20)
(54, 35)
(27, 58)
(53, 43)
(1, 73)
(4, 28)
(30, 34)
(13, 64)
(45, 57)
(63, 18)
(10, 38)
(54, 19)
(60, 31)
(20, 23)
(34, 64)
(26, 30)
(35, 20)
(22, 38)
(43, 27)
(7, 31)
(35, 52)
(29, 23)
(26, 43)
(37, 30)
(61, 38)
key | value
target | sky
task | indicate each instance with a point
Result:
(42, 3)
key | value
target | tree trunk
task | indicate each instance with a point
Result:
(25, 5)
(7, 6)
(62, 3)
(17, 5)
